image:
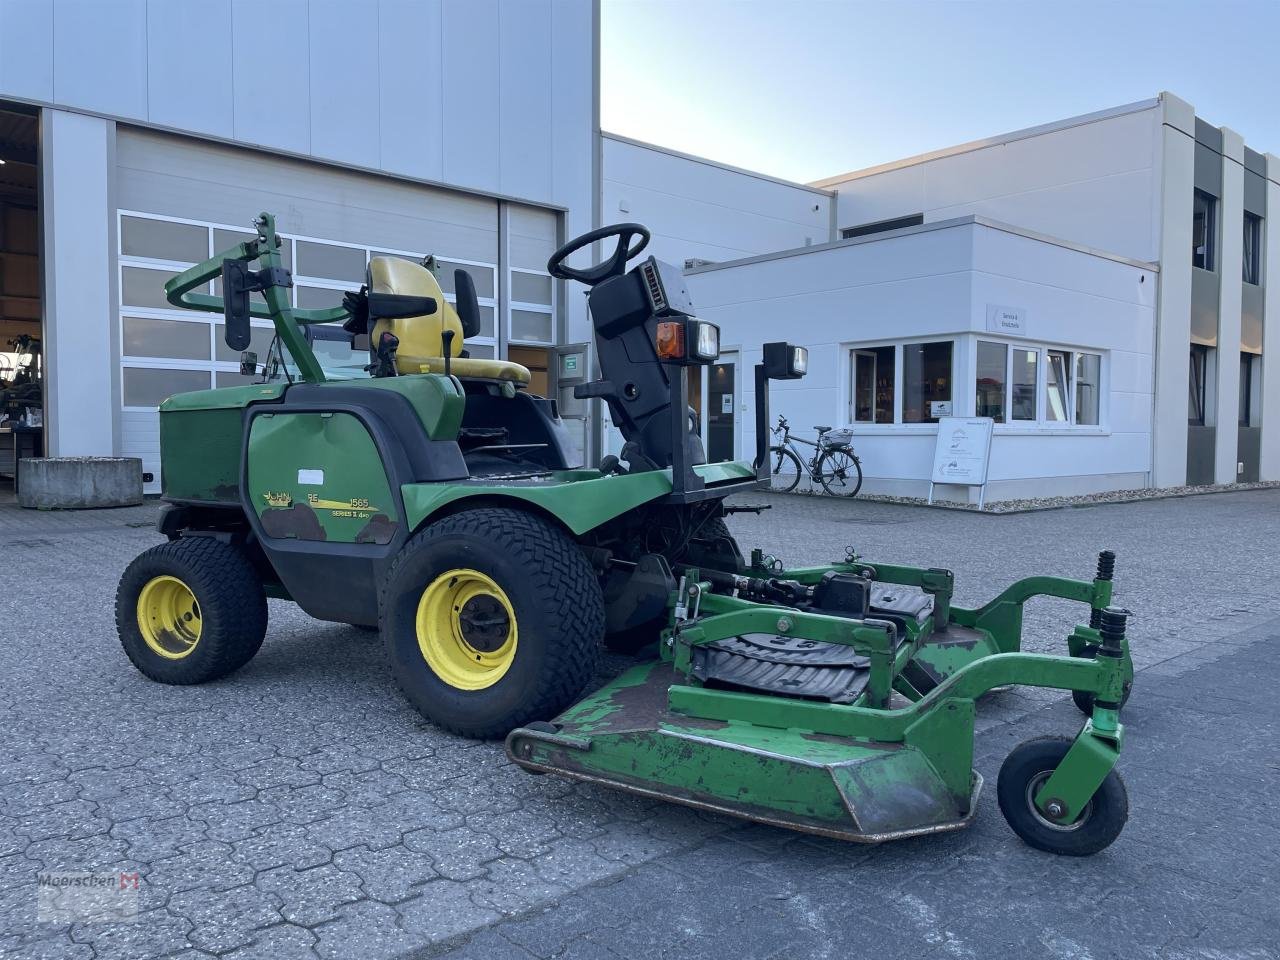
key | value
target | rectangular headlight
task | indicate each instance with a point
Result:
(799, 361)
(707, 344)
(783, 361)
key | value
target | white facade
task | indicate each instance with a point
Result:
(1123, 181)
(463, 128)
(936, 285)
(700, 210)
(1115, 188)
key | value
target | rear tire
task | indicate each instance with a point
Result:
(519, 642)
(840, 473)
(1028, 766)
(191, 611)
(780, 460)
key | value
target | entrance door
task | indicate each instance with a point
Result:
(722, 408)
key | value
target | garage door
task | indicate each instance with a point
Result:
(180, 201)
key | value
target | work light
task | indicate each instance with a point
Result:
(688, 340)
(784, 361)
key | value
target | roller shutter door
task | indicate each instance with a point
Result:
(181, 200)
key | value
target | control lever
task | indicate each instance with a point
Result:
(447, 340)
(385, 364)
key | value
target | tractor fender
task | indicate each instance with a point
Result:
(581, 501)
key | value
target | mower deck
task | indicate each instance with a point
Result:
(627, 736)
(856, 722)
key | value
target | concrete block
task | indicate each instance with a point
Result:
(79, 483)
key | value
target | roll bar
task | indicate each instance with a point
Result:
(272, 280)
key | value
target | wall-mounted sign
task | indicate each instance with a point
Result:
(726, 403)
(962, 453)
(939, 408)
(1007, 320)
(571, 364)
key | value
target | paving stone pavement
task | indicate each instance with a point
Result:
(300, 808)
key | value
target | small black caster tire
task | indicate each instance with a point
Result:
(191, 611)
(1082, 698)
(1025, 769)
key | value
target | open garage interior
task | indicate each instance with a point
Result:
(21, 371)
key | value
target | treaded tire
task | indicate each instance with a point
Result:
(233, 609)
(1098, 826)
(554, 594)
(1083, 699)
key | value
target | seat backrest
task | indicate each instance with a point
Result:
(419, 336)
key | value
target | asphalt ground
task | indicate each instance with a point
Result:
(301, 808)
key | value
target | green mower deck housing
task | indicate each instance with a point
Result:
(434, 498)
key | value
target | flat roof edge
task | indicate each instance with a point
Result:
(658, 148)
(1024, 134)
(967, 220)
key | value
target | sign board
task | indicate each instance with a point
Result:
(939, 408)
(1007, 320)
(571, 364)
(962, 453)
(726, 403)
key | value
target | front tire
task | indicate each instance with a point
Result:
(191, 611)
(492, 618)
(1029, 766)
(781, 460)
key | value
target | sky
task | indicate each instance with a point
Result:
(805, 89)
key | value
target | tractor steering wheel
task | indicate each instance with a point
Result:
(613, 266)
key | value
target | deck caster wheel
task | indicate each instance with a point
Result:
(1082, 698)
(1022, 774)
(191, 611)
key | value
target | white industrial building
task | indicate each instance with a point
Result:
(1077, 282)
(1096, 285)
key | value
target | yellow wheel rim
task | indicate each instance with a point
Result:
(169, 617)
(466, 629)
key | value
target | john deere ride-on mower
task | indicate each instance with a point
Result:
(434, 498)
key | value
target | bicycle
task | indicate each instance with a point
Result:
(834, 465)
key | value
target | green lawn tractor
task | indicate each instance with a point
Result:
(430, 496)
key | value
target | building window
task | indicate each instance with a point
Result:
(532, 307)
(926, 381)
(1057, 389)
(881, 226)
(1249, 382)
(1252, 248)
(992, 371)
(873, 383)
(1088, 389)
(165, 350)
(1022, 381)
(1204, 226)
(1196, 385)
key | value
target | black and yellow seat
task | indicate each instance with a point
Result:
(422, 340)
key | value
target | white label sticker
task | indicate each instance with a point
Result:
(312, 478)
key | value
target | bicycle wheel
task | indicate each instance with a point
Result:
(840, 472)
(785, 472)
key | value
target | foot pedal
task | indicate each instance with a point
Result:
(790, 666)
